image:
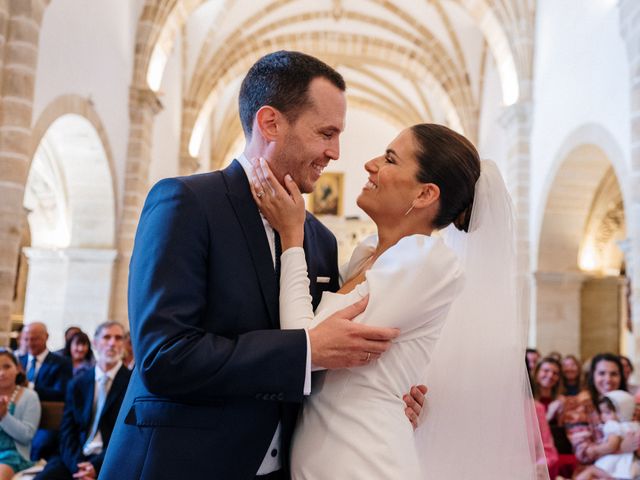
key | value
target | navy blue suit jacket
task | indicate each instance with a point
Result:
(214, 374)
(52, 379)
(77, 416)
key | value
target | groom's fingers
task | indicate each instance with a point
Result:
(375, 333)
(354, 309)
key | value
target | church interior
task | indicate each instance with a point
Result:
(100, 99)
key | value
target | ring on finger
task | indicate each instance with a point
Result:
(260, 194)
(368, 357)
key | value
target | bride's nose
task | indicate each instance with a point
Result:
(371, 166)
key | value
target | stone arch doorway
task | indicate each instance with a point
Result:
(70, 203)
(580, 293)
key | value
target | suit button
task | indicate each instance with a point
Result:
(281, 396)
(274, 452)
(273, 396)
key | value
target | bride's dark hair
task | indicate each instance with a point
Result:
(450, 161)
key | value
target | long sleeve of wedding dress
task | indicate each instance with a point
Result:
(418, 275)
(295, 300)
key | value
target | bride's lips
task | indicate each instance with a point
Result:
(370, 185)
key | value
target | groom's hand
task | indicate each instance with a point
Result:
(415, 402)
(338, 342)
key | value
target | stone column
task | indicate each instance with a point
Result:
(143, 106)
(4, 26)
(629, 347)
(630, 30)
(558, 311)
(600, 318)
(19, 31)
(517, 120)
(68, 287)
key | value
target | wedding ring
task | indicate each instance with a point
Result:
(368, 357)
(260, 194)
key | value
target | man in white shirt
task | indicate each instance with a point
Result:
(93, 401)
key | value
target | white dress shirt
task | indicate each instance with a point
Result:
(39, 360)
(272, 459)
(94, 445)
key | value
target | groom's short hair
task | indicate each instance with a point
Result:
(281, 80)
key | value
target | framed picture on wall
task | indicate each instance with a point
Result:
(327, 197)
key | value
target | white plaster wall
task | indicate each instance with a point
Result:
(165, 149)
(86, 48)
(492, 142)
(365, 137)
(581, 76)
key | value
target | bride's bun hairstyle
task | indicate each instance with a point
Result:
(450, 161)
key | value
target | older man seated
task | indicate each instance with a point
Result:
(93, 402)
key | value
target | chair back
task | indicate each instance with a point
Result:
(51, 416)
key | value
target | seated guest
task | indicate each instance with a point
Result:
(78, 350)
(128, 358)
(19, 417)
(68, 334)
(546, 387)
(17, 344)
(580, 416)
(571, 376)
(555, 355)
(627, 368)
(48, 374)
(93, 402)
(549, 457)
(532, 357)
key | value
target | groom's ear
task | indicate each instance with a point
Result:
(268, 122)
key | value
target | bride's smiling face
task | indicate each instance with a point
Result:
(392, 184)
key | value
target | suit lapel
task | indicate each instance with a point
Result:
(88, 388)
(44, 368)
(249, 219)
(120, 383)
(309, 240)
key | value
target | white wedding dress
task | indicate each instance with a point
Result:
(353, 425)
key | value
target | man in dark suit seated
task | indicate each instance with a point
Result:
(91, 409)
(48, 374)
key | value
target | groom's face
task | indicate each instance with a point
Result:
(311, 141)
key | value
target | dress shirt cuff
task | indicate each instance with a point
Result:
(307, 368)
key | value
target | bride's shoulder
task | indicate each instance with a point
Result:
(416, 251)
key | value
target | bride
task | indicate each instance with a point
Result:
(450, 293)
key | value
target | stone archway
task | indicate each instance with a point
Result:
(70, 201)
(578, 285)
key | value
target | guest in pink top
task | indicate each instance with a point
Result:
(550, 452)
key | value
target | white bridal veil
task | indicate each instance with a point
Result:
(480, 420)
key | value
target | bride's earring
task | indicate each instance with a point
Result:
(413, 204)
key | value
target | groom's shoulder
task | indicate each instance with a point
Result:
(198, 184)
(318, 227)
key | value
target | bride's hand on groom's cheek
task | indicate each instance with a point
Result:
(282, 206)
(415, 402)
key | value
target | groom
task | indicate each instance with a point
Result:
(217, 384)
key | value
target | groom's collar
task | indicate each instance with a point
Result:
(246, 165)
